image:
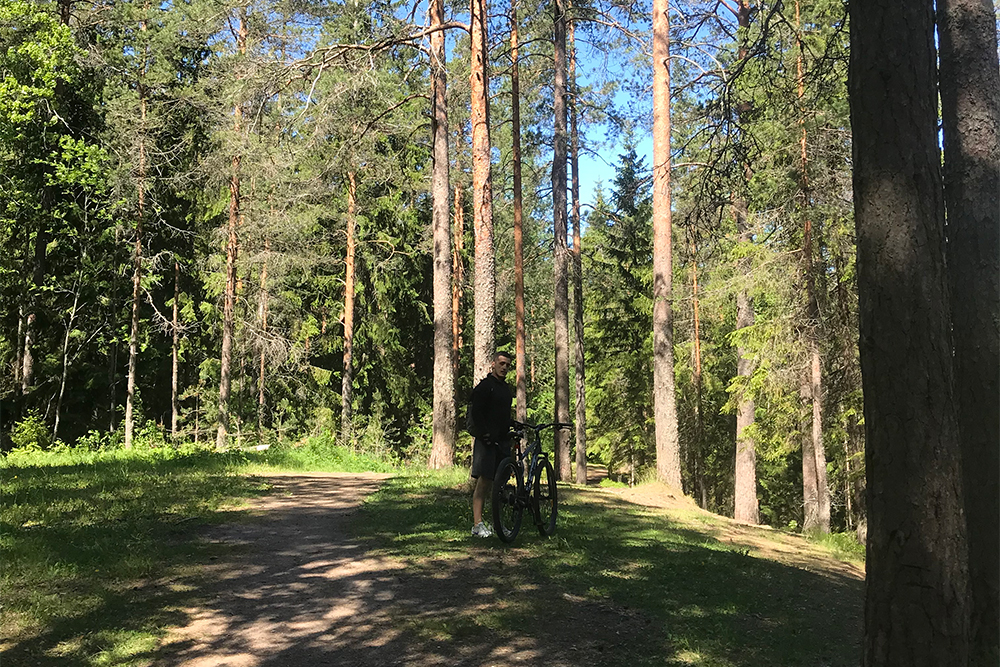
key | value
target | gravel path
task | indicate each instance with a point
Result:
(301, 592)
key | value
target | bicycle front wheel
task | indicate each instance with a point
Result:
(507, 507)
(544, 499)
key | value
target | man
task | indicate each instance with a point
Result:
(490, 410)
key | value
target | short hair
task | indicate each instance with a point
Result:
(502, 353)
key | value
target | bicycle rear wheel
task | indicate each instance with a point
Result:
(507, 508)
(544, 499)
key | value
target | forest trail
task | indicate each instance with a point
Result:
(299, 590)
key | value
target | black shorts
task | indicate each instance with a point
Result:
(486, 457)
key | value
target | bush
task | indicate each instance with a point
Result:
(30, 434)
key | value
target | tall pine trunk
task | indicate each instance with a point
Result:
(746, 507)
(65, 358)
(347, 382)
(30, 323)
(817, 505)
(519, 348)
(916, 609)
(443, 436)
(457, 284)
(485, 286)
(133, 338)
(970, 105)
(697, 447)
(232, 249)
(561, 259)
(580, 370)
(668, 456)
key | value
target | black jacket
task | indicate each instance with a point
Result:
(491, 401)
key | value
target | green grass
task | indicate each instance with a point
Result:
(709, 602)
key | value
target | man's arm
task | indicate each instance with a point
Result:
(480, 405)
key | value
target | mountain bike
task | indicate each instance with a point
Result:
(525, 480)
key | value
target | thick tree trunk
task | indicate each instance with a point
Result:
(347, 383)
(443, 436)
(561, 263)
(916, 609)
(970, 104)
(580, 370)
(485, 286)
(519, 350)
(175, 351)
(668, 456)
(19, 353)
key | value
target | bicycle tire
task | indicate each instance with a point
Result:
(507, 508)
(544, 499)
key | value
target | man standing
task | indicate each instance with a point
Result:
(490, 411)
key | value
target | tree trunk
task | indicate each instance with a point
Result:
(668, 456)
(133, 338)
(519, 351)
(65, 360)
(746, 507)
(561, 259)
(175, 349)
(816, 515)
(580, 370)
(916, 610)
(457, 286)
(347, 384)
(264, 305)
(443, 437)
(30, 324)
(970, 104)
(699, 418)
(232, 249)
(482, 194)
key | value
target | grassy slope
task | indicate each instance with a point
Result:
(714, 592)
(86, 539)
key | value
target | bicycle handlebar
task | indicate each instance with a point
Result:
(520, 426)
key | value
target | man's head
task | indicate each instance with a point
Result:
(501, 364)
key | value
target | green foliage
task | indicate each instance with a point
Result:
(31, 434)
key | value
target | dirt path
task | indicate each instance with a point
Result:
(300, 592)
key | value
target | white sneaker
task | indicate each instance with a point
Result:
(481, 530)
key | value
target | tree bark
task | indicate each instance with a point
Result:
(668, 457)
(347, 383)
(175, 349)
(262, 371)
(30, 324)
(816, 507)
(485, 287)
(970, 105)
(916, 610)
(580, 370)
(519, 350)
(699, 418)
(746, 507)
(561, 259)
(133, 338)
(232, 249)
(443, 436)
(457, 284)
(65, 359)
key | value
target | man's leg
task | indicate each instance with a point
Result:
(479, 496)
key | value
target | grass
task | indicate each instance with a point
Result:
(709, 599)
(88, 538)
(90, 542)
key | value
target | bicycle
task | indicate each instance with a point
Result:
(512, 493)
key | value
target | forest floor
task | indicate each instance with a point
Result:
(310, 577)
